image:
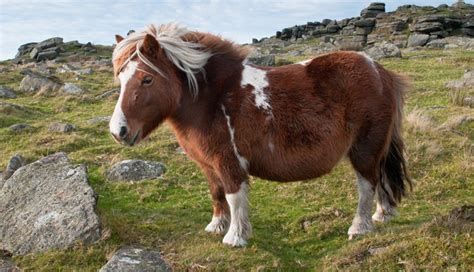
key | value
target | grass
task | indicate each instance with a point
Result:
(297, 226)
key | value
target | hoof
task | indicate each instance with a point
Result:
(360, 228)
(383, 217)
(234, 240)
(218, 225)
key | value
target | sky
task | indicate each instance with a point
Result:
(97, 21)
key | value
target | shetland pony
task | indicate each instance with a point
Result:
(289, 123)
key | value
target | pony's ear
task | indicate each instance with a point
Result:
(150, 45)
(118, 38)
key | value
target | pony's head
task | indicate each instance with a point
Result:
(150, 66)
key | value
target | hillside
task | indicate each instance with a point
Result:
(60, 98)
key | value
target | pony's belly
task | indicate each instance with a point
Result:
(286, 171)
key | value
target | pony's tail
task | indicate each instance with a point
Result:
(394, 173)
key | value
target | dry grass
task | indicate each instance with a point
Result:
(418, 120)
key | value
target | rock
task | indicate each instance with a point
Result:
(417, 40)
(363, 30)
(47, 205)
(9, 107)
(71, 88)
(98, 120)
(265, 60)
(108, 93)
(14, 164)
(365, 23)
(51, 42)
(467, 81)
(87, 71)
(135, 170)
(61, 127)
(34, 53)
(20, 127)
(468, 101)
(33, 83)
(47, 55)
(6, 92)
(26, 48)
(384, 50)
(377, 250)
(133, 259)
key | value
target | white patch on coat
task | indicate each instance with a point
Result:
(362, 222)
(258, 80)
(118, 119)
(271, 146)
(218, 224)
(242, 161)
(305, 62)
(240, 229)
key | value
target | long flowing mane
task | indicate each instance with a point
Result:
(188, 50)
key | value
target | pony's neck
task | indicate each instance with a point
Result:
(222, 76)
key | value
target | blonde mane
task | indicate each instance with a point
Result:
(189, 57)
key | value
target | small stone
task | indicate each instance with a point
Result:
(265, 60)
(71, 88)
(180, 150)
(20, 127)
(6, 92)
(14, 164)
(61, 127)
(99, 120)
(133, 259)
(135, 170)
(377, 250)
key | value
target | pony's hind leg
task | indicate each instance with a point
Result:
(362, 222)
(385, 211)
(221, 215)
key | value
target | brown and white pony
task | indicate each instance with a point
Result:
(289, 123)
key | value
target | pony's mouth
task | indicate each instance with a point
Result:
(133, 140)
(130, 141)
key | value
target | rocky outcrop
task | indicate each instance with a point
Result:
(467, 81)
(135, 170)
(45, 205)
(376, 25)
(133, 259)
(51, 49)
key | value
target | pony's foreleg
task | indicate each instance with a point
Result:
(221, 215)
(240, 229)
(362, 222)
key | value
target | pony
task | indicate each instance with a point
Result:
(288, 123)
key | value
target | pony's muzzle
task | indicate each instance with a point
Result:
(125, 137)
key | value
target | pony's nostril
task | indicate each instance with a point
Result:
(123, 132)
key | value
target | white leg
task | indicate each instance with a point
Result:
(240, 229)
(362, 222)
(384, 212)
(218, 225)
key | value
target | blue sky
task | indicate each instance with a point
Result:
(97, 21)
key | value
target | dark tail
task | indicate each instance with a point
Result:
(394, 173)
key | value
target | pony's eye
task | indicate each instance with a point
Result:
(146, 81)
